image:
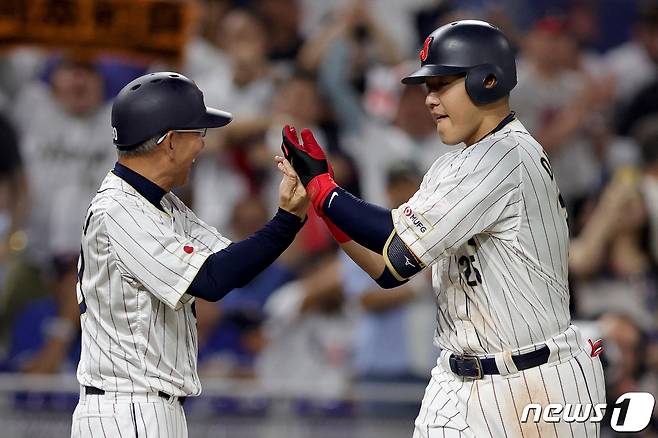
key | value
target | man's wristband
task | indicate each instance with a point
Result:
(318, 189)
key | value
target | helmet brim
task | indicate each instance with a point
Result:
(430, 71)
(212, 118)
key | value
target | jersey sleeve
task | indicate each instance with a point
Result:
(164, 262)
(475, 195)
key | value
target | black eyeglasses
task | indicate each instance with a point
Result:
(201, 132)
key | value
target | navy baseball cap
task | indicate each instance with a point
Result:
(159, 102)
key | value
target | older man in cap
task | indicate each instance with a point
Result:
(145, 257)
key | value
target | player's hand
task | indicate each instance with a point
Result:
(311, 164)
(308, 159)
(292, 195)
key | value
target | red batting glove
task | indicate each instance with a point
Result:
(310, 163)
(314, 170)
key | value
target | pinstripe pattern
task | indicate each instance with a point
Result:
(101, 416)
(138, 330)
(492, 407)
(488, 220)
(488, 217)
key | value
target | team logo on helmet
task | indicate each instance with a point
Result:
(426, 49)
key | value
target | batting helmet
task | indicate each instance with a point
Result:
(474, 47)
(156, 103)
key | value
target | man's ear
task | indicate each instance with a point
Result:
(168, 145)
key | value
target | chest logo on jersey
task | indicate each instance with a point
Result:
(188, 249)
(420, 224)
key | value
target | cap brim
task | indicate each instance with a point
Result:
(429, 71)
(213, 118)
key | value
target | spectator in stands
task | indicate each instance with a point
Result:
(646, 136)
(205, 51)
(297, 100)
(66, 145)
(627, 363)
(13, 212)
(633, 64)
(398, 17)
(18, 67)
(308, 335)
(435, 14)
(248, 92)
(282, 21)
(637, 86)
(643, 104)
(611, 257)
(359, 40)
(230, 330)
(44, 332)
(564, 109)
(13, 189)
(393, 328)
(249, 88)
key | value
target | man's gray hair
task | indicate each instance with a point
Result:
(141, 149)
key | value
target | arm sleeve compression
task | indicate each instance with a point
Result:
(237, 264)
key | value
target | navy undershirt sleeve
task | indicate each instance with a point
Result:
(367, 224)
(237, 264)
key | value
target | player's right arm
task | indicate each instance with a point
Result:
(479, 195)
(371, 262)
(364, 231)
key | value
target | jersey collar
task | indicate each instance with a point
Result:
(508, 119)
(145, 187)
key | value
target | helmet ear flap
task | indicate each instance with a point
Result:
(475, 84)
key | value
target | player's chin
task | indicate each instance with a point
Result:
(447, 137)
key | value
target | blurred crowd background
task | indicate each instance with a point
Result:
(313, 324)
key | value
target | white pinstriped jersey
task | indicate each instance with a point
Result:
(138, 324)
(489, 219)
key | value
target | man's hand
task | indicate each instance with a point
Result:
(310, 162)
(314, 171)
(292, 195)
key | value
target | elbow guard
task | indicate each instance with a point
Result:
(388, 281)
(400, 261)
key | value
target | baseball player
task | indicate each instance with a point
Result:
(489, 221)
(145, 257)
